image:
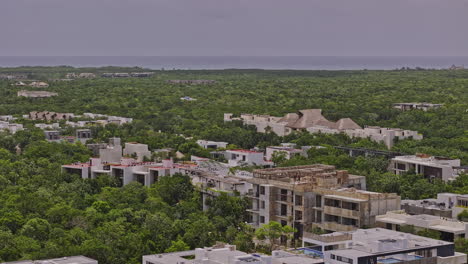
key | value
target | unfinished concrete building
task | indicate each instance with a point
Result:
(289, 195)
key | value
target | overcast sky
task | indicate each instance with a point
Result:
(234, 27)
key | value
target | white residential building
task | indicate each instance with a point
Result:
(140, 150)
(10, 127)
(384, 135)
(127, 170)
(7, 118)
(288, 151)
(211, 144)
(450, 229)
(45, 126)
(227, 254)
(429, 166)
(242, 157)
(447, 205)
(313, 121)
(381, 246)
(418, 106)
(64, 260)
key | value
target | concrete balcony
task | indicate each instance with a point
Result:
(327, 238)
(333, 226)
(341, 212)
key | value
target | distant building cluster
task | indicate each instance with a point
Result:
(36, 94)
(125, 164)
(83, 75)
(416, 106)
(13, 76)
(313, 121)
(455, 67)
(127, 75)
(187, 98)
(194, 82)
(99, 119)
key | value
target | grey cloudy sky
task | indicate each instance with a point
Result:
(234, 27)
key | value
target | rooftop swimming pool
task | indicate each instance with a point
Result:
(310, 252)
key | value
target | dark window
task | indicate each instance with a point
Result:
(298, 215)
(262, 219)
(401, 166)
(262, 204)
(318, 201)
(349, 221)
(262, 190)
(350, 206)
(298, 200)
(333, 203)
(284, 209)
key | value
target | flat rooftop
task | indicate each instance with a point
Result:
(428, 160)
(64, 260)
(423, 220)
(373, 241)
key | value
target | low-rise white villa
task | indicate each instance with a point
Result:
(447, 205)
(429, 166)
(450, 229)
(288, 151)
(206, 144)
(313, 121)
(243, 157)
(10, 127)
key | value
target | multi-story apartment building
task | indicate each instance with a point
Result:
(449, 229)
(315, 195)
(429, 166)
(348, 209)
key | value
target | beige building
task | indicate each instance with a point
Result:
(36, 94)
(315, 196)
(39, 84)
